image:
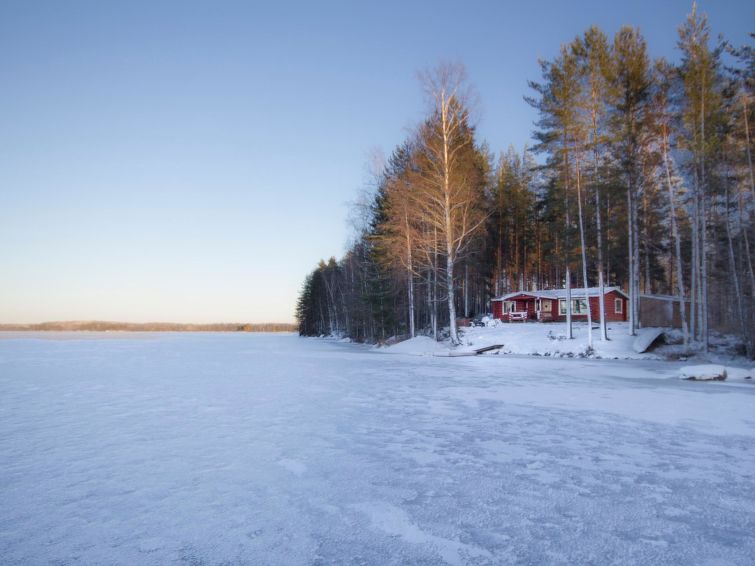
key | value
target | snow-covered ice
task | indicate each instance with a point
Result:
(271, 449)
(703, 372)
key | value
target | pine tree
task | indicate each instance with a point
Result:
(595, 60)
(629, 130)
(701, 116)
(560, 135)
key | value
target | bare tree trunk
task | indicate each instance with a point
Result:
(608, 242)
(598, 224)
(746, 239)
(331, 305)
(704, 228)
(499, 252)
(677, 242)
(569, 333)
(451, 305)
(695, 261)
(747, 137)
(435, 295)
(431, 304)
(410, 287)
(630, 239)
(636, 258)
(646, 244)
(466, 290)
(602, 304)
(743, 227)
(584, 255)
(567, 251)
(735, 276)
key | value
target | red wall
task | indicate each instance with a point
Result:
(521, 303)
(529, 305)
(611, 314)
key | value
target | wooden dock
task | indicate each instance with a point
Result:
(464, 353)
(488, 348)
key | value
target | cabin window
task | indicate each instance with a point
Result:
(546, 306)
(508, 306)
(578, 306)
(618, 306)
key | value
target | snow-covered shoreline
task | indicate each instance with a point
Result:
(549, 340)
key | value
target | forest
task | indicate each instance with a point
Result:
(640, 176)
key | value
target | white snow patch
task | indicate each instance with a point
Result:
(740, 374)
(549, 339)
(417, 346)
(645, 337)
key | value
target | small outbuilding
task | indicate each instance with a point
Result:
(549, 305)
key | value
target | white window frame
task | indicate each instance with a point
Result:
(575, 303)
(618, 306)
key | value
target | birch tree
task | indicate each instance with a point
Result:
(663, 123)
(448, 193)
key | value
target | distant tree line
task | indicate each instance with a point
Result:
(101, 326)
(644, 181)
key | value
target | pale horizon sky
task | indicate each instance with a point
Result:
(193, 161)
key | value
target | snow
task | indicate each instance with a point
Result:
(417, 346)
(272, 449)
(645, 338)
(739, 374)
(549, 339)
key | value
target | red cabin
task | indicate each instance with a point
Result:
(550, 305)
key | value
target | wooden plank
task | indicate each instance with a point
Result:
(452, 354)
(488, 348)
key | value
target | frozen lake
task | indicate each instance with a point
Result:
(209, 449)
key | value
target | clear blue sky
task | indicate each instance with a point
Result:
(192, 161)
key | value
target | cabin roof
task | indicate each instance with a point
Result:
(576, 293)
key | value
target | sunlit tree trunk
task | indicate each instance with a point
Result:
(677, 239)
(584, 252)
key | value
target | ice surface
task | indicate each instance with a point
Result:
(268, 449)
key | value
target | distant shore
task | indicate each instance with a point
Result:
(103, 326)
